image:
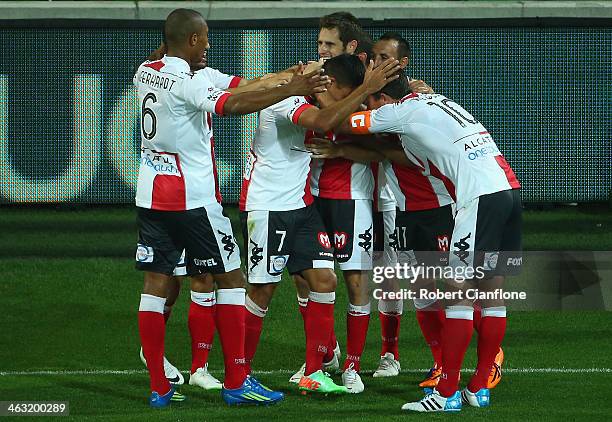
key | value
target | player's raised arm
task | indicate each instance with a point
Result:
(300, 85)
(324, 120)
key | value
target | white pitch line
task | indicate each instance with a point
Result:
(95, 372)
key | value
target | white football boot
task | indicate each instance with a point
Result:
(174, 375)
(434, 402)
(352, 381)
(202, 378)
(387, 367)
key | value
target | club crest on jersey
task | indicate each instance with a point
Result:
(277, 263)
(340, 239)
(443, 243)
(323, 239)
(256, 254)
(144, 253)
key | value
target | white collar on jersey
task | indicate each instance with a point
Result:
(177, 61)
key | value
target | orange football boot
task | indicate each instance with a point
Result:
(432, 378)
(496, 372)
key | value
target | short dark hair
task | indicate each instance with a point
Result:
(403, 46)
(180, 24)
(364, 45)
(347, 69)
(396, 89)
(347, 25)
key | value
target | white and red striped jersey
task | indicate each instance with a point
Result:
(219, 79)
(444, 141)
(222, 81)
(177, 163)
(276, 176)
(339, 178)
(413, 190)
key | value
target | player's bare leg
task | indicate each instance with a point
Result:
(201, 322)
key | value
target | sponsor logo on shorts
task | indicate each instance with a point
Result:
(277, 263)
(366, 240)
(229, 244)
(443, 243)
(515, 262)
(490, 260)
(340, 239)
(144, 253)
(463, 247)
(323, 239)
(208, 262)
(256, 254)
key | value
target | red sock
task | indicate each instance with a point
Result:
(253, 326)
(230, 315)
(390, 315)
(167, 312)
(490, 336)
(456, 336)
(201, 322)
(477, 317)
(431, 321)
(319, 325)
(389, 329)
(152, 331)
(357, 320)
(332, 345)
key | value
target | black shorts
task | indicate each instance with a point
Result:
(423, 236)
(276, 240)
(488, 234)
(204, 233)
(350, 227)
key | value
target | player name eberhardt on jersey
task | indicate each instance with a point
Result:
(156, 81)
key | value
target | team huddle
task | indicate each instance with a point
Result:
(350, 157)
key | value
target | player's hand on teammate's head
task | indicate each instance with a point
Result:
(314, 65)
(376, 78)
(420, 87)
(324, 148)
(158, 54)
(272, 80)
(309, 83)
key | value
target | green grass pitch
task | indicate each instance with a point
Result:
(69, 297)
